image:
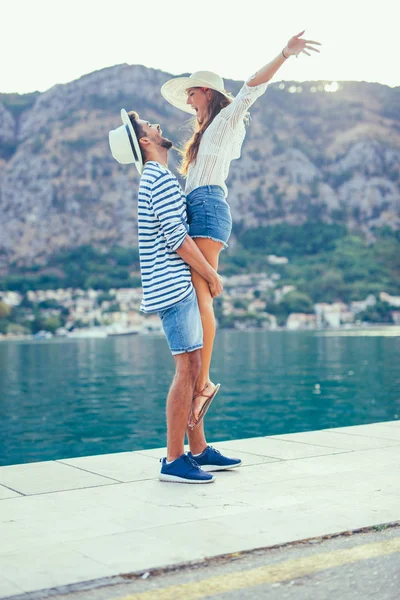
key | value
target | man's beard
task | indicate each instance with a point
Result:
(166, 143)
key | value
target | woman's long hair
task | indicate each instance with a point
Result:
(189, 153)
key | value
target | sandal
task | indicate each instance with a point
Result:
(204, 408)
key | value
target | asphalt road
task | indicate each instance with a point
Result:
(363, 565)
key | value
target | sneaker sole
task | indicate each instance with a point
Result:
(175, 479)
(211, 468)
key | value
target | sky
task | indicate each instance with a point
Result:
(45, 42)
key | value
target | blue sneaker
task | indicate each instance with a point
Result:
(184, 470)
(212, 460)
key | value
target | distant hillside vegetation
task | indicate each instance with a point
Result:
(310, 156)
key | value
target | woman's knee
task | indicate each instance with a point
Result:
(206, 306)
(204, 298)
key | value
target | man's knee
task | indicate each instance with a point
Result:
(189, 364)
(195, 363)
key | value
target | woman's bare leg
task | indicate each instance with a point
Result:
(210, 249)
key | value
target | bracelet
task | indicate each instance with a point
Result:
(283, 54)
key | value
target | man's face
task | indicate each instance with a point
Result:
(154, 134)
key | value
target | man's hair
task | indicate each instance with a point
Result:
(138, 129)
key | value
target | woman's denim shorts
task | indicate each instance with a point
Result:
(182, 325)
(208, 214)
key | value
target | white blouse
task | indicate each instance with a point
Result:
(222, 142)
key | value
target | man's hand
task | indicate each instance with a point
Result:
(215, 285)
(191, 254)
(297, 44)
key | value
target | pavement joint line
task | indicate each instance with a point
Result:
(144, 453)
(335, 452)
(90, 487)
(370, 435)
(12, 490)
(274, 458)
(283, 571)
(61, 461)
(384, 440)
(333, 430)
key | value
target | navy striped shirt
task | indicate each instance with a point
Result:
(162, 224)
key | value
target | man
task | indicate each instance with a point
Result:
(166, 254)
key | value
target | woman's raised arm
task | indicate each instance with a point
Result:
(295, 46)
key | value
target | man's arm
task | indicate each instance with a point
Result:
(166, 202)
(191, 254)
(167, 205)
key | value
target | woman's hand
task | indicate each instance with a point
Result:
(297, 45)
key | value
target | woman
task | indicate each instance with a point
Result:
(217, 139)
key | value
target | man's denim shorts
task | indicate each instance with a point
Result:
(208, 214)
(182, 325)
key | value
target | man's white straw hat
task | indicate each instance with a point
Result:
(174, 90)
(124, 144)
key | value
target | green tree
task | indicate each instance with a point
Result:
(5, 310)
(125, 256)
(105, 297)
(380, 313)
(49, 303)
(113, 308)
(17, 328)
(238, 303)
(37, 324)
(297, 302)
(51, 324)
(135, 282)
(98, 282)
(328, 287)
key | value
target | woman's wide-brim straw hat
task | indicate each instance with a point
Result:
(124, 144)
(175, 90)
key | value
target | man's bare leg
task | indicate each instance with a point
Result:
(197, 439)
(179, 401)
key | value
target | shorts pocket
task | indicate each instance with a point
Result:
(223, 214)
(195, 201)
(196, 213)
(162, 313)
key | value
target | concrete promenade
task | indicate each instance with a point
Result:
(76, 520)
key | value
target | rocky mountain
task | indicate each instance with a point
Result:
(318, 150)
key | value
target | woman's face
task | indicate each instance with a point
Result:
(199, 99)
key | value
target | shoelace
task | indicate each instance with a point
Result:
(191, 462)
(214, 450)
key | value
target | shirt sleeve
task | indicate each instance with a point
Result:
(166, 199)
(237, 109)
